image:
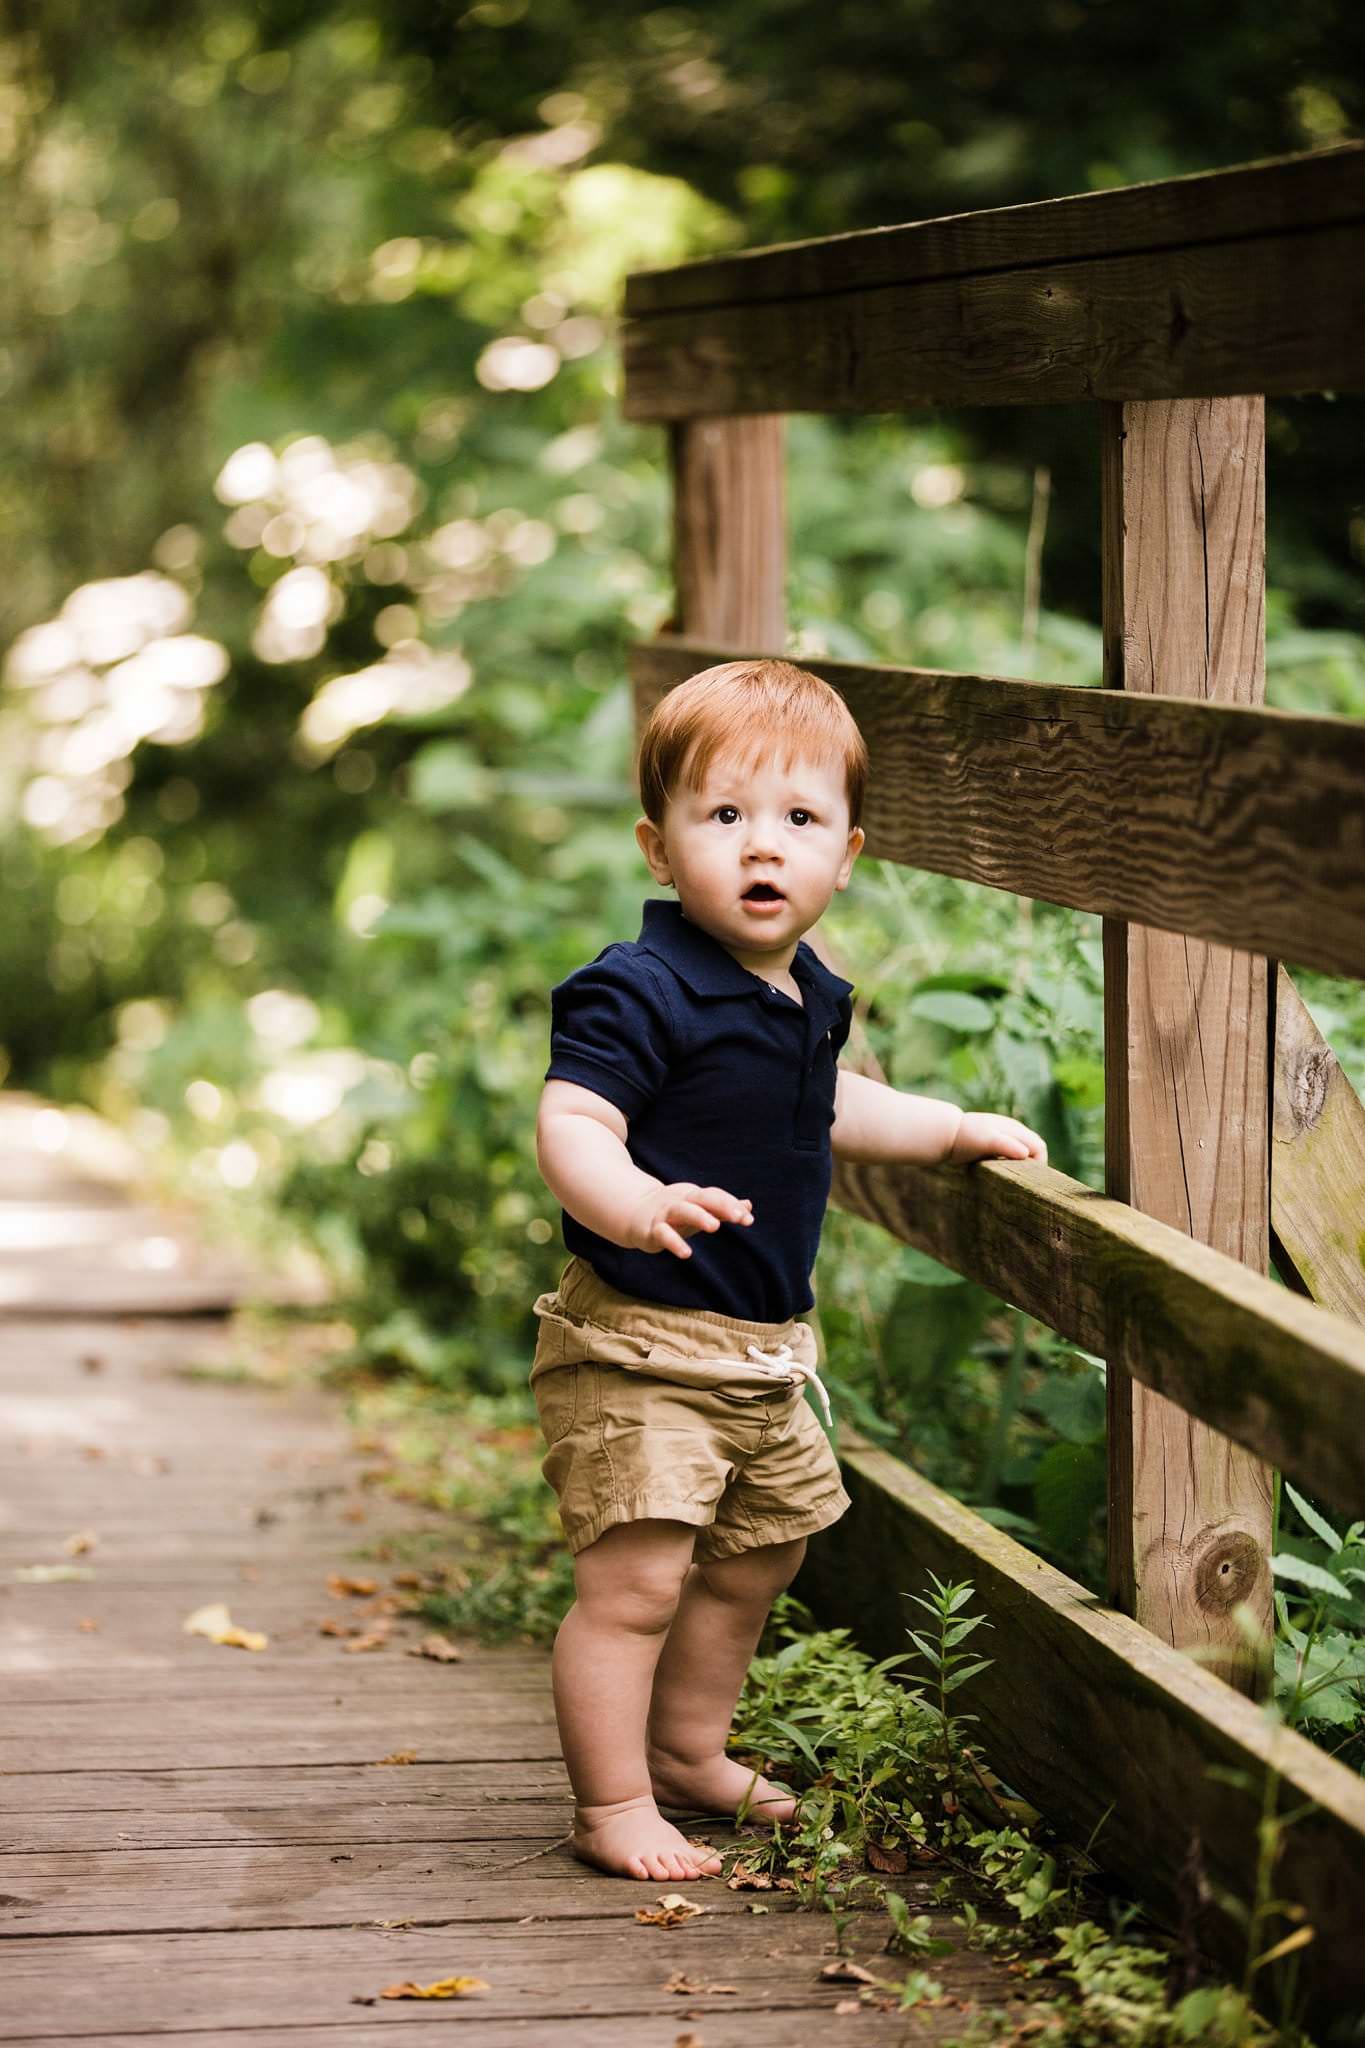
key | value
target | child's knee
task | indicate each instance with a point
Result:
(632, 1577)
(754, 1577)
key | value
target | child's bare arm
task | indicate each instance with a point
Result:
(581, 1152)
(873, 1122)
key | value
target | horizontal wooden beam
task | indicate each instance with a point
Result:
(1267, 1368)
(1261, 308)
(1103, 1726)
(1279, 195)
(1230, 822)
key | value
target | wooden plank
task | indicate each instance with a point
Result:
(1186, 1029)
(1314, 188)
(161, 1796)
(1258, 840)
(386, 1677)
(1083, 1710)
(1272, 1371)
(435, 1879)
(441, 1820)
(1317, 1161)
(729, 2023)
(1278, 314)
(542, 1978)
(729, 529)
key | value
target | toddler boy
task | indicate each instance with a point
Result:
(693, 1094)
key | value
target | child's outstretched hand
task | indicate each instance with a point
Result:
(680, 1210)
(984, 1135)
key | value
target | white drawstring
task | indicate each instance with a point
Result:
(777, 1365)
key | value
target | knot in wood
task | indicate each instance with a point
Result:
(1308, 1086)
(1227, 1570)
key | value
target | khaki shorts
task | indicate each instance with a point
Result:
(655, 1412)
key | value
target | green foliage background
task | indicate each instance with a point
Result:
(383, 249)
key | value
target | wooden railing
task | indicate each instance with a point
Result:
(1214, 837)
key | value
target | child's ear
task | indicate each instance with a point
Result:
(855, 846)
(649, 839)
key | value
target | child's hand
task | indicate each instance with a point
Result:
(680, 1210)
(986, 1136)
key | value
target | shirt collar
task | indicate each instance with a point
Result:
(709, 970)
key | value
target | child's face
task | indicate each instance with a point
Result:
(756, 821)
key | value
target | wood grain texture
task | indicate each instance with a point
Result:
(554, 1985)
(729, 529)
(1256, 839)
(1314, 188)
(1084, 1711)
(1272, 1371)
(1187, 1086)
(1276, 314)
(1317, 1161)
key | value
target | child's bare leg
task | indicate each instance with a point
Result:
(715, 1631)
(608, 1644)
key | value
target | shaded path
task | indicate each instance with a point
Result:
(205, 1840)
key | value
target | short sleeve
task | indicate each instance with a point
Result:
(610, 1030)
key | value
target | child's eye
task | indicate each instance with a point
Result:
(733, 809)
(801, 817)
(730, 808)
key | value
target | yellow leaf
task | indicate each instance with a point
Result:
(217, 1624)
(444, 1987)
(1300, 1938)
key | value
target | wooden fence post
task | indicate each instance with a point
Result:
(1186, 1022)
(729, 530)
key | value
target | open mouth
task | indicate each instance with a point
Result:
(763, 892)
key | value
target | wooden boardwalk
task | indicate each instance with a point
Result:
(217, 1842)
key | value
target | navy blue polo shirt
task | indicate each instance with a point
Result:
(722, 1080)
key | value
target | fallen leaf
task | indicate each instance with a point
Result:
(742, 1879)
(407, 1578)
(846, 2006)
(331, 1627)
(844, 1972)
(217, 1624)
(338, 1584)
(400, 1756)
(377, 1639)
(439, 1648)
(444, 1987)
(83, 1540)
(681, 1985)
(687, 2041)
(672, 1910)
(754, 1907)
(88, 1625)
(891, 1862)
(409, 1922)
(49, 1574)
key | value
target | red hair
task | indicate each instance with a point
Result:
(733, 708)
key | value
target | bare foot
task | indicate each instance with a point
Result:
(717, 1785)
(632, 1839)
